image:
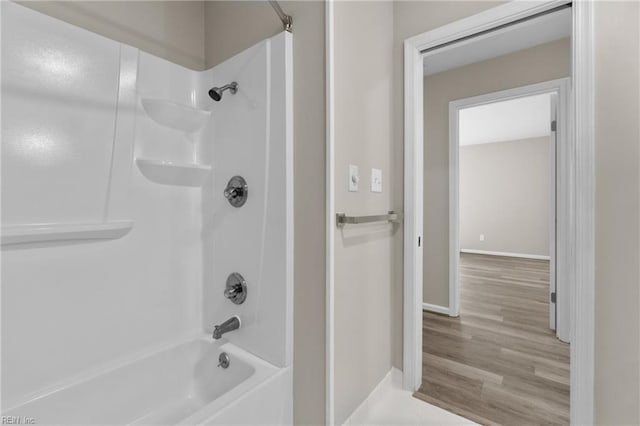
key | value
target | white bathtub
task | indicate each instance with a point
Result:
(178, 385)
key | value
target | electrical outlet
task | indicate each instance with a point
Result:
(376, 180)
(481, 237)
(354, 178)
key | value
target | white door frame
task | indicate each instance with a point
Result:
(562, 159)
(582, 189)
(330, 219)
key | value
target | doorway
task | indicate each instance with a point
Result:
(579, 195)
(528, 218)
(494, 357)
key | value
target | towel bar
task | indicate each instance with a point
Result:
(343, 219)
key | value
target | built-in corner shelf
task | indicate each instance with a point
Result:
(43, 232)
(170, 173)
(175, 115)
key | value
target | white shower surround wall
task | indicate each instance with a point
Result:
(261, 230)
(84, 321)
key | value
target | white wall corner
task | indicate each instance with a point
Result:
(362, 413)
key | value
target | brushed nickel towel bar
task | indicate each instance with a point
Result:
(342, 219)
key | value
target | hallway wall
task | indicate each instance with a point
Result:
(505, 195)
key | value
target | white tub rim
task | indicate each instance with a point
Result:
(223, 344)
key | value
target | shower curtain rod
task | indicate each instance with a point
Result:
(287, 21)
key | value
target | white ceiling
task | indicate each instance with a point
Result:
(520, 118)
(534, 32)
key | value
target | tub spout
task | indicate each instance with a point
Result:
(231, 324)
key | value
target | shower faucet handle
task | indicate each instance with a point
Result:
(232, 193)
(236, 288)
(231, 292)
(236, 191)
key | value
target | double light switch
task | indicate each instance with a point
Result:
(354, 179)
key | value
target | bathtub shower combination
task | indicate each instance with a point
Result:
(147, 231)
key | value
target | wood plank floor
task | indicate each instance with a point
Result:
(498, 363)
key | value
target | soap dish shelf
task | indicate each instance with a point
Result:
(48, 232)
(174, 115)
(171, 173)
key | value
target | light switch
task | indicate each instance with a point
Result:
(354, 178)
(376, 180)
(481, 237)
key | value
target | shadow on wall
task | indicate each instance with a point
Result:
(362, 234)
(167, 31)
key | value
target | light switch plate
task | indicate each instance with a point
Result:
(376, 180)
(354, 178)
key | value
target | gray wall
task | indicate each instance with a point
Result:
(235, 26)
(364, 265)
(617, 298)
(541, 63)
(505, 194)
(173, 30)
(232, 26)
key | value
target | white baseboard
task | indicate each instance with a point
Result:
(502, 253)
(435, 308)
(390, 404)
(360, 414)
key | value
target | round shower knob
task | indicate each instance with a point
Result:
(236, 289)
(236, 191)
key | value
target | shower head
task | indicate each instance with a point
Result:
(216, 92)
